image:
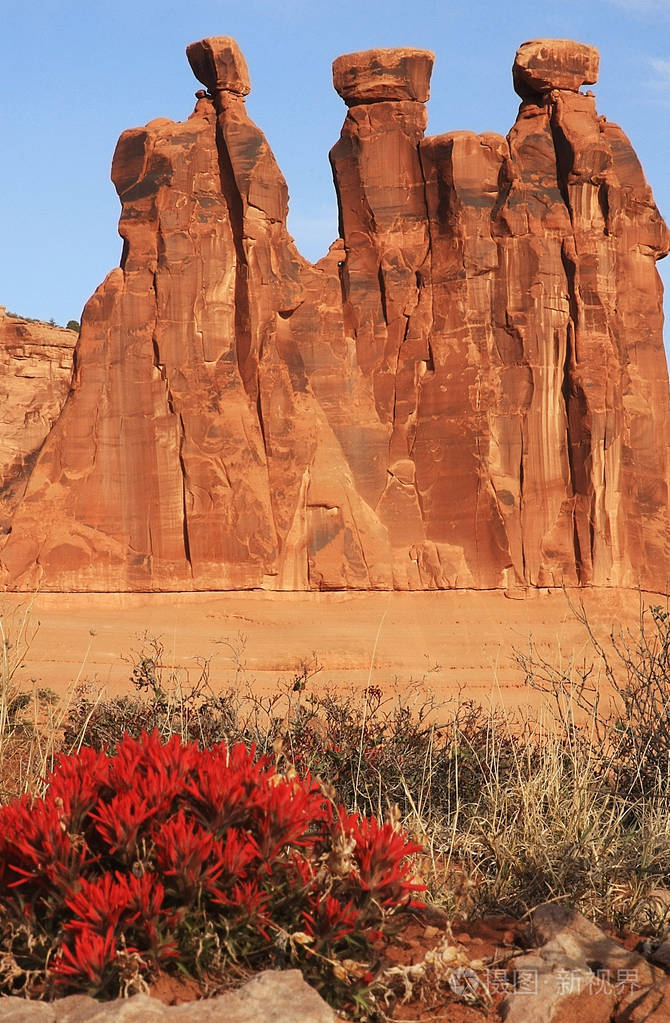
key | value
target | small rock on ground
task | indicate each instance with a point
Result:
(580, 975)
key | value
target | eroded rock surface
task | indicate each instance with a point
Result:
(545, 64)
(35, 373)
(469, 390)
(579, 973)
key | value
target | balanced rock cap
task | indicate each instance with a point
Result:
(545, 64)
(218, 63)
(373, 76)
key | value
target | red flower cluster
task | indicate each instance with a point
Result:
(135, 853)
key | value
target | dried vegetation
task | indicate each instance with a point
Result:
(509, 811)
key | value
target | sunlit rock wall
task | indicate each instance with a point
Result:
(469, 390)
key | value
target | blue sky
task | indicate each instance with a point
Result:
(75, 74)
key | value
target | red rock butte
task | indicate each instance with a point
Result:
(468, 390)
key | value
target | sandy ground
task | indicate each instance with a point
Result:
(449, 641)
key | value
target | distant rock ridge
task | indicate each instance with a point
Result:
(468, 390)
(35, 374)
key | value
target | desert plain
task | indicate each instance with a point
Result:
(449, 644)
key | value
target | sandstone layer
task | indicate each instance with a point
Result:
(451, 644)
(469, 390)
(35, 374)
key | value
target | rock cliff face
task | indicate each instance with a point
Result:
(35, 373)
(470, 389)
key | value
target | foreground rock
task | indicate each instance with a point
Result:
(272, 997)
(469, 390)
(579, 973)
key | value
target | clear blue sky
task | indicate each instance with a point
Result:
(75, 74)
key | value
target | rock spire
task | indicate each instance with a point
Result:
(468, 390)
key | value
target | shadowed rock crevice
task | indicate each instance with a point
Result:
(247, 369)
(468, 390)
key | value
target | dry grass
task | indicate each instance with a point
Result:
(32, 719)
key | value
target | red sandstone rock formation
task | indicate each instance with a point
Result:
(35, 373)
(468, 390)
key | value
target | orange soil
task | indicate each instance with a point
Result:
(450, 640)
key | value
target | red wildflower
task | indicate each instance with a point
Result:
(196, 859)
(145, 894)
(381, 854)
(76, 783)
(329, 920)
(246, 904)
(120, 820)
(89, 961)
(202, 831)
(124, 904)
(99, 905)
(228, 786)
(37, 847)
(158, 768)
(239, 850)
(288, 815)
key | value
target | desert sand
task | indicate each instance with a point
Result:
(447, 642)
